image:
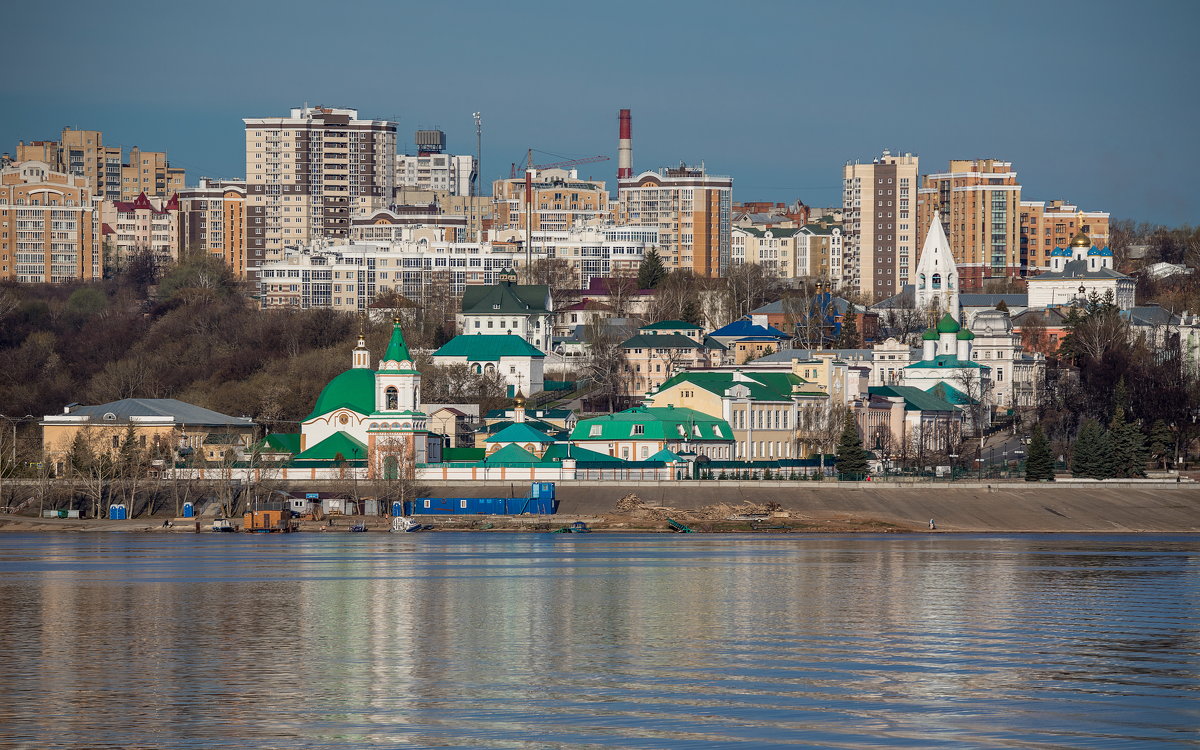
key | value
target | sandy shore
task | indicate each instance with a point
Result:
(799, 507)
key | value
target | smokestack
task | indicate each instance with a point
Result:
(625, 147)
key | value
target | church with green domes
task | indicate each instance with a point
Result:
(371, 418)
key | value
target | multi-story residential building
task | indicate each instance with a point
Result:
(149, 172)
(558, 200)
(979, 202)
(592, 251)
(774, 248)
(82, 152)
(1045, 226)
(819, 252)
(213, 219)
(140, 225)
(433, 169)
(662, 350)
(692, 210)
(880, 224)
(48, 225)
(350, 276)
(307, 173)
(409, 222)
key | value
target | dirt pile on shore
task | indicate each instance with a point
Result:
(634, 506)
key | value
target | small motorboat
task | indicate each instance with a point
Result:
(404, 523)
(358, 527)
(223, 524)
(579, 527)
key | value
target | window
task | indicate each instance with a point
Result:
(594, 431)
(393, 398)
(638, 429)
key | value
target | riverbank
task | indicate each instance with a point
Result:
(791, 507)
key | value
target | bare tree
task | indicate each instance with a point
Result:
(606, 368)
(978, 391)
(747, 287)
(819, 425)
(395, 475)
(560, 276)
(90, 465)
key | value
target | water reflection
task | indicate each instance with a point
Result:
(622, 641)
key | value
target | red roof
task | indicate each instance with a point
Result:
(142, 203)
(106, 229)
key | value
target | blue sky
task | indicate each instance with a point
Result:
(1095, 102)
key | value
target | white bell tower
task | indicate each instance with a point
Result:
(937, 274)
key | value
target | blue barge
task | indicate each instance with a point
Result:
(539, 501)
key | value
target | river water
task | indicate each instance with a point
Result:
(568, 641)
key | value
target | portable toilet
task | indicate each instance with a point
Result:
(397, 508)
(117, 512)
(189, 510)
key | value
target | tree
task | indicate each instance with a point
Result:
(747, 287)
(651, 271)
(1127, 447)
(851, 460)
(1162, 443)
(819, 425)
(1039, 465)
(1002, 306)
(677, 297)
(560, 276)
(606, 367)
(1085, 453)
(848, 338)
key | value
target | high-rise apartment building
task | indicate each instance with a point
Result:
(558, 200)
(979, 203)
(433, 169)
(149, 172)
(1045, 226)
(308, 172)
(880, 224)
(48, 225)
(82, 152)
(692, 210)
(213, 219)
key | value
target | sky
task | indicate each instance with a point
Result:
(1093, 102)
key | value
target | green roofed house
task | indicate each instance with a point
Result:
(519, 434)
(509, 356)
(637, 434)
(762, 408)
(899, 418)
(662, 349)
(524, 310)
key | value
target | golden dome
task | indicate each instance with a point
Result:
(1081, 240)
(519, 401)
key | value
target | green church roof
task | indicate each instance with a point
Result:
(929, 335)
(671, 325)
(520, 433)
(945, 360)
(279, 442)
(397, 350)
(328, 449)
(948, 324)
(512, 454)
(479, 347)
(505, 299)
(353, 389)
(965, 335)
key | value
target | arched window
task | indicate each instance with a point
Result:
(392, 397)
(937, 281)
(921, 281)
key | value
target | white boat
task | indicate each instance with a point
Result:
(404, 523)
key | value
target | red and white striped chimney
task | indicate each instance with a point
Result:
(625, 147)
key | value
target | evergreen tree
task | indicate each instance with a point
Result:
(1128, 445)
(851, 461)
(1162, 441)
(1120, 400)
(651, 271)
(1002, 306)
(1084, 453)
(691, 313)
(1106, 464)
(848, 338)
(1039, 465)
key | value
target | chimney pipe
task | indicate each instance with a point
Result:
(625, 146)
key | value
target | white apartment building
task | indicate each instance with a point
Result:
(307, 173)
(773, 248)
(879, 211)
(453, 174)
(593, 251)
(350, 276)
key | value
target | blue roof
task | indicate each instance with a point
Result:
(1060, 252)
(745, 327)
(1102, 251)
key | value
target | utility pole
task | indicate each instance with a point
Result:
(477, 188)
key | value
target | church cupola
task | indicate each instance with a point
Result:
(937, 273)
(361, 357)
(397, 382)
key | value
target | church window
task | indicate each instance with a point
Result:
(344, 419)
(392, 397)
(921, 281)
(937, 281)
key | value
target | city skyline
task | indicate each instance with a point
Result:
(1094, 116)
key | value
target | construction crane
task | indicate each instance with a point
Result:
(514, 172)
